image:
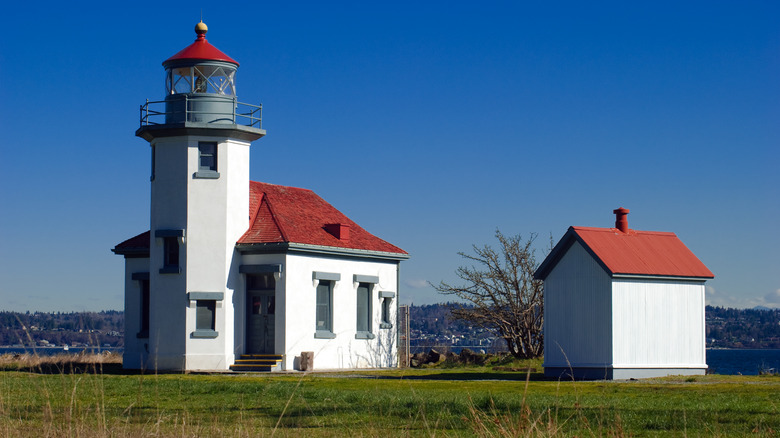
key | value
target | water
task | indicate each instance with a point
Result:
(739, 361)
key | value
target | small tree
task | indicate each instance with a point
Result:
(503, 295)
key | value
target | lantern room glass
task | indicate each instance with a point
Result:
(201, 78)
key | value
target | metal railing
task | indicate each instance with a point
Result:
(157, 113)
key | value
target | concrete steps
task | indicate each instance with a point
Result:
(257, 363)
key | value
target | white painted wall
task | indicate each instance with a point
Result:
(658, 324)
(344, 351)
(296, 312)
(217, 216)
(214, 214)
(577, 309)
(167, 291)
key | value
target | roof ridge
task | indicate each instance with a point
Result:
(633, 231)
(281, 185)
(253, 215)
(273, 217)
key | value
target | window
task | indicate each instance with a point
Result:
(205, 313)
(170, 240)
(144, 332)
(170, 255)
(207, 160)
(324, 326)
(154, 153)
(387, 301)
(364, 311)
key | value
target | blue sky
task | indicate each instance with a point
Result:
(430, 125)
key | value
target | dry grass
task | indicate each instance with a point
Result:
(62, 363)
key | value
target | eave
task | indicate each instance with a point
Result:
(286, 247)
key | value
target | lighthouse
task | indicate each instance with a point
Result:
(240, 275)
(200, 137)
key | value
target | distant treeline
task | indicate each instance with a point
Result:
(726, 327)
(59, 328)
(743, 328)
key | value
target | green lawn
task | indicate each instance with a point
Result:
(427, 402)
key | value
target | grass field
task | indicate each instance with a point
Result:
(45, 400)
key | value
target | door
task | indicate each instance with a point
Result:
(261, 309)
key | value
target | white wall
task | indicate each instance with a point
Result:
(296, 312)
(214, 214)
(658, 324)
(217, 216)
(577, 309)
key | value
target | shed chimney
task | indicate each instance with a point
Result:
(621, 219)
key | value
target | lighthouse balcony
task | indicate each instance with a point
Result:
(198, 111)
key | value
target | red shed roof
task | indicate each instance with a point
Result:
(642, 253)
(201, 50)
(280, 214)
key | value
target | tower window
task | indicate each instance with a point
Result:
(207, 160)
(171, 253)
(170, 241)
(154, 153)
(144, 332)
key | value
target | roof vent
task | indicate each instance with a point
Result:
(339, 231)
(621, 219)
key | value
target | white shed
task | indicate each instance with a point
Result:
(622, 303)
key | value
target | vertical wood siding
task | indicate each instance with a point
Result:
(658, 322)
(577, 308)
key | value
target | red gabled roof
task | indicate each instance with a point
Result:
(134, 245)
(280, 214)
(644, 253)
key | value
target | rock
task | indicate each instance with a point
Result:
(434, 357)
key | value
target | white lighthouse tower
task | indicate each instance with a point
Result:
(200, 137)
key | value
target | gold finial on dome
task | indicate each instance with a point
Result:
(201, 28)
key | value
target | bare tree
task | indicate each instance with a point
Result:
(502, 295)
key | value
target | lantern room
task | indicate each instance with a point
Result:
(200, 92)
(200, 68)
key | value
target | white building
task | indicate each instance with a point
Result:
(622, 303)
(244, 275)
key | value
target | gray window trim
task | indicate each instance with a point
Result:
(169, 233)
(324, 334)
(366, 334)
(330, 276)
(140, 276)
(385, 295)
(373, 279)
(170, 270)
(208, 171)
(216, 296)
(259, 269)
(205, 174)
(204, 334)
